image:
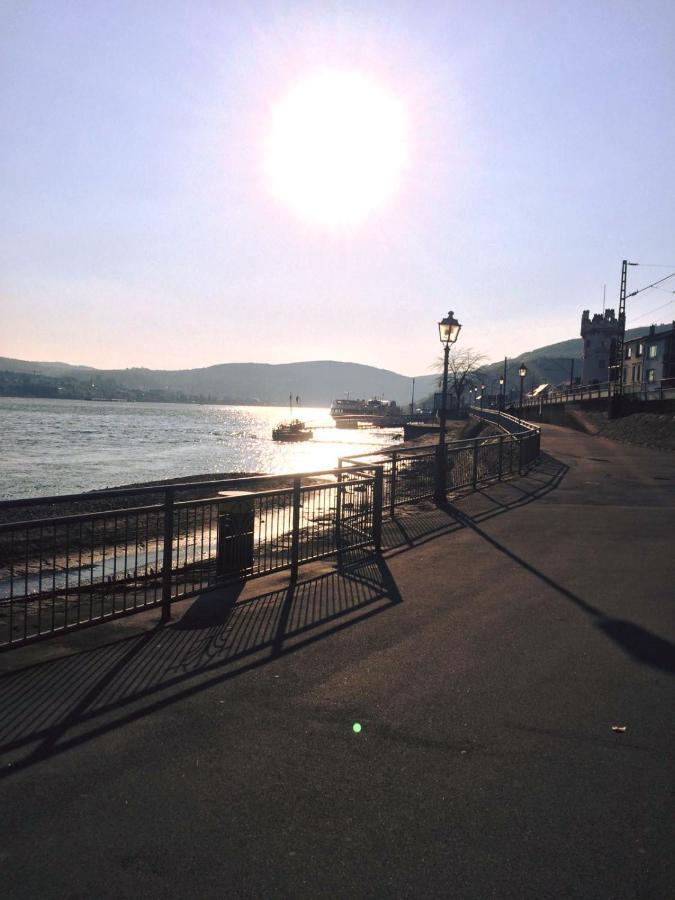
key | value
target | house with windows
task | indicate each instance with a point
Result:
(649, 359)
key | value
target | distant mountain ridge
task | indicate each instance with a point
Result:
(317, 382)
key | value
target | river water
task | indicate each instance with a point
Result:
(66, 446)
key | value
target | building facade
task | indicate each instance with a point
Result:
(599, 335)
(649, 359)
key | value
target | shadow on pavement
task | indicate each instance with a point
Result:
(53, 706)
(416, 524)
(638, 642)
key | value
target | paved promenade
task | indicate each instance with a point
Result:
(486, 655)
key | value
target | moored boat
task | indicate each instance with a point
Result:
(295, 430)
(346, 407)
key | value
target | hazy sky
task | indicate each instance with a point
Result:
(138, 227)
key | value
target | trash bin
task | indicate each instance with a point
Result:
(236, 520)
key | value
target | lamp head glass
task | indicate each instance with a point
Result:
(449, 329)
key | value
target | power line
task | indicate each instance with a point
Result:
(656, 309)
(663, 290)
(648, 286)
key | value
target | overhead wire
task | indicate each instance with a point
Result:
(653, 286)
(649, 312)
(648, 286)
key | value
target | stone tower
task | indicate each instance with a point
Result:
(599, 335)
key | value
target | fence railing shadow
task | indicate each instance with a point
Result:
(425, 521)
(58, 704)
(50, 707)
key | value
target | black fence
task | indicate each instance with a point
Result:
(641, 392)
(87, 565)
(410, 474)
(71, 561)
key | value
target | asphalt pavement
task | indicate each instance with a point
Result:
(509, 660)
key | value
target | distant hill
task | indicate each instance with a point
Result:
(52, 369)
(574, 347)
(550, 364)
(317, 382)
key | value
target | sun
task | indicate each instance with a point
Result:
(336, 148)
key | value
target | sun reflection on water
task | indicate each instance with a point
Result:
(64, 446)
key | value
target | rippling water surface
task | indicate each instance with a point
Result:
(66, 446)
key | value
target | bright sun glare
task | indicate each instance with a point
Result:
(336, 148)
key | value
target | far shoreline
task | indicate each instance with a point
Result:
(158, 400)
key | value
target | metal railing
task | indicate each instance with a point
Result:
(75, 560)
(644, 391)
(409, 474)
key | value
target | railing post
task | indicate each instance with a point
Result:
(338, 503)
(440, 473)
(392, 488)
(378, 495)
(501, 454)
(295, 530)
(474, 478)
(167, 562)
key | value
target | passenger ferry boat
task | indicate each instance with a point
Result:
(295, 430)
(374, 407)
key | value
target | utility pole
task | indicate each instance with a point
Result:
(412, 399)
(615, 385)
(504, 389)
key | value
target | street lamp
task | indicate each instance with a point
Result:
(522, 371)
(448, 330)
(502, 399)
(482, 394)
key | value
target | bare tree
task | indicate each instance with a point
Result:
(464, 371)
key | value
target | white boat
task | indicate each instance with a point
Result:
(346, 407)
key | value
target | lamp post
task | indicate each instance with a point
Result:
(448, 330)
(502, 398)
(482, 394)
(522, 371)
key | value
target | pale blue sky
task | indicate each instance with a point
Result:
(136, 227)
